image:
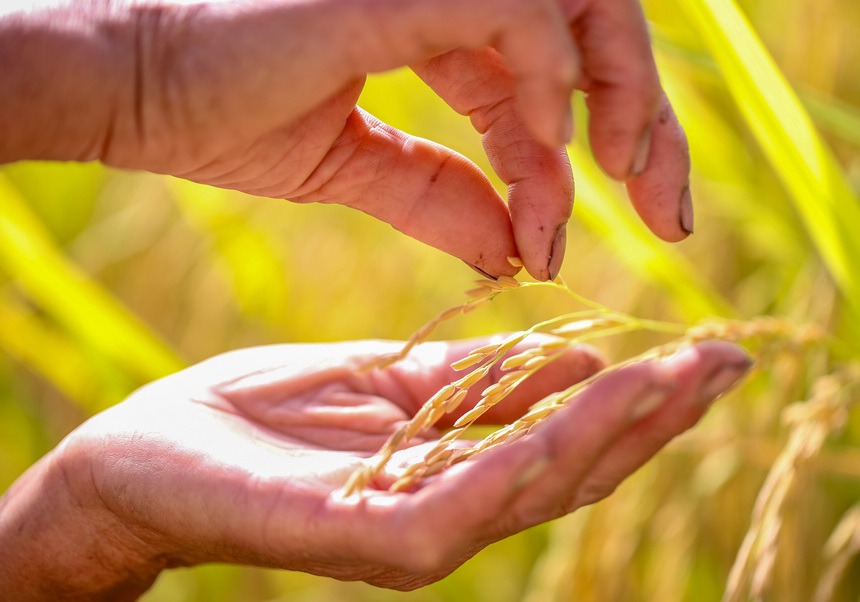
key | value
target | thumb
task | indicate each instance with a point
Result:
(421, 188)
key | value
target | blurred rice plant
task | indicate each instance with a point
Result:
(110, 279)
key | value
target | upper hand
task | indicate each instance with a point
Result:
(261, 97)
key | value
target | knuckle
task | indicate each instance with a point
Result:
(423, 550)
(429, 553)
(592, 491)
(646, 85)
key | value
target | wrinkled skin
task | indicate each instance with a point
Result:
(156, 86)
(242, 459)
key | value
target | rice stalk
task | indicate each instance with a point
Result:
(842, 546)
(766, 334)
(811, 422)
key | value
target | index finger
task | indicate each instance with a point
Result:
(480, 84)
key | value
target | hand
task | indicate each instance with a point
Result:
(242, 458)
(261, 97)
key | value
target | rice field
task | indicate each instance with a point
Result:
(110, 279)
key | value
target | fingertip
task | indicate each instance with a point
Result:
(686, 210)
(556, 255)
(707, 370)
(542, 247)
(661, 194)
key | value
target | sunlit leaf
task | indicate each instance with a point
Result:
(785, 132)
(27, 337)
(73, 299)
(244, 252)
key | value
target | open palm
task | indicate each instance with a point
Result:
(242, 458)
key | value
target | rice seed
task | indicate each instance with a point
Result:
(508, 283)
(490, 284)
(518, 360)
(491, 400)
(554, 345)
(515, 261)
(470, 416)
(452, 435)
(580, 326)
(459, 456)
(435, 450)
(493, 390)
(480, 292)
(449, 313)
(456, 400)
(511, 379)
(538, 414)
(473, 305)
(396, 439)
(403, 483)
(486, 350)
(414, 426)
(435, 468)
(357, 481)
(536, 362)
(468, 361)
(412, 469)
(436, 414)
(442, 455)
(473, 377)
(441, 395)
(511, 341)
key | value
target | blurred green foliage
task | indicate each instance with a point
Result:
(111, 279)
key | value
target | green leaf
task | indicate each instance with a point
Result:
(30, 257)
(806, 167)
(29, 338)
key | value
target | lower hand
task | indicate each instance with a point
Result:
(242, 459)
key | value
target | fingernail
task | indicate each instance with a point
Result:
(566, 124)
(531, 473)
(686, 210)
(640, 156)
(723, 380)
(481, 272)
(556, 254)
(648, 404)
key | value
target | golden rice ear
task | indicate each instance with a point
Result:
(569, 330)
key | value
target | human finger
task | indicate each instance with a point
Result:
(428, 368)
(527, 482)
(661, 193)
(704, 372)
(532, 36)
(422, 189)
(547, 474)
(634, 133)
(578, 450)
(620, 80)
(479, 83)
